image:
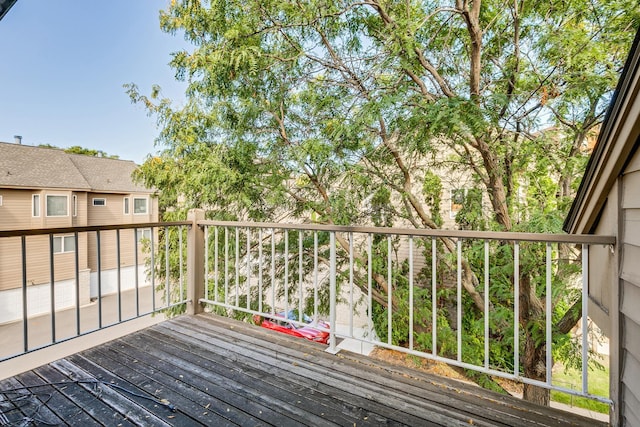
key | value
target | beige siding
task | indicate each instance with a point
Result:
(16, 212)
(630, 298)
(631, 191)
(38, 261)
(631, 408)
(632, 226)
(108, 251)
(602, 266)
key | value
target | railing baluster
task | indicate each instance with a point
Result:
(389, 293)
(167, 269)
(52, 280)
(486, 304)
(369, 282)
(548, 318)
(153, 273)
(77, 275)
(300, 275)
(25, 313)
(434, 298)
(248, 268)
(215, 265)
(226, 265)
(273, 271)
(351, 284)
(137, 273)
(237, 266)
(315, 275)
(459, 299)
(119, 275)
(260, 270)
(332, 292)
(99, 256)
(516, 308)
(286, 273)
(207, 294)
(585, 318)
(181, 262)
(410, 292)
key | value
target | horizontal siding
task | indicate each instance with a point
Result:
(629, 343)
(630, 298)
(630, 374)
(108, 249)
(15, 212)
(631, 408)
(631, 191)
(110, 213)
(38, 261)
(631, 264)
(632, 226)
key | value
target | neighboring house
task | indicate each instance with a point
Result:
(48, 188)
(608, 203)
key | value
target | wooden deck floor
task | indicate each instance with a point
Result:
(205, 370)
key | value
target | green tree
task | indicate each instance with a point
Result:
(338, 111)
(76, 149)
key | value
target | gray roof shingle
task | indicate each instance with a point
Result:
(24, 166)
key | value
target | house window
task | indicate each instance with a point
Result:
(57, 205)
(35, 202)
(62, 244)
(75, 205)
(126, 205)
(140, 205)
(0, 200)
(458, 196)
(99, 202)
(143, 233)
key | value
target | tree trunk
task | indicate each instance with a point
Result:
(533, 357)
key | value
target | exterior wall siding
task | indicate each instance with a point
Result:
(630, 282)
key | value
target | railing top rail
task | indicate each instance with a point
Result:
(66, 230)
(456, 234)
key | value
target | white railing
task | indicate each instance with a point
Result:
(91, 278)
(340, 274)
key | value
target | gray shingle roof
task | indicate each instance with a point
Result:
(24, 166)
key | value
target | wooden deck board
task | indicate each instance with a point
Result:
(221, 372)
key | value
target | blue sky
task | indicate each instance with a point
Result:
(63, 66)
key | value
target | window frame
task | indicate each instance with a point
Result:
(102, 200)
(75, 205)
(63, 238)
(35, 206)
(146, 203)
(141, 233)
(46, 208)
(126, 208)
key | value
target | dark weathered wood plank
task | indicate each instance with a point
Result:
(119, 402)
(266, 383)
(86, 401)
(226, 389)
(187, 399)
(473, 401)
(161, 411)
(223, 372)
(26, 405)
(436, 406)
(330, 401)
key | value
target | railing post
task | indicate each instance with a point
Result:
(332, 294)
(195, 262)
